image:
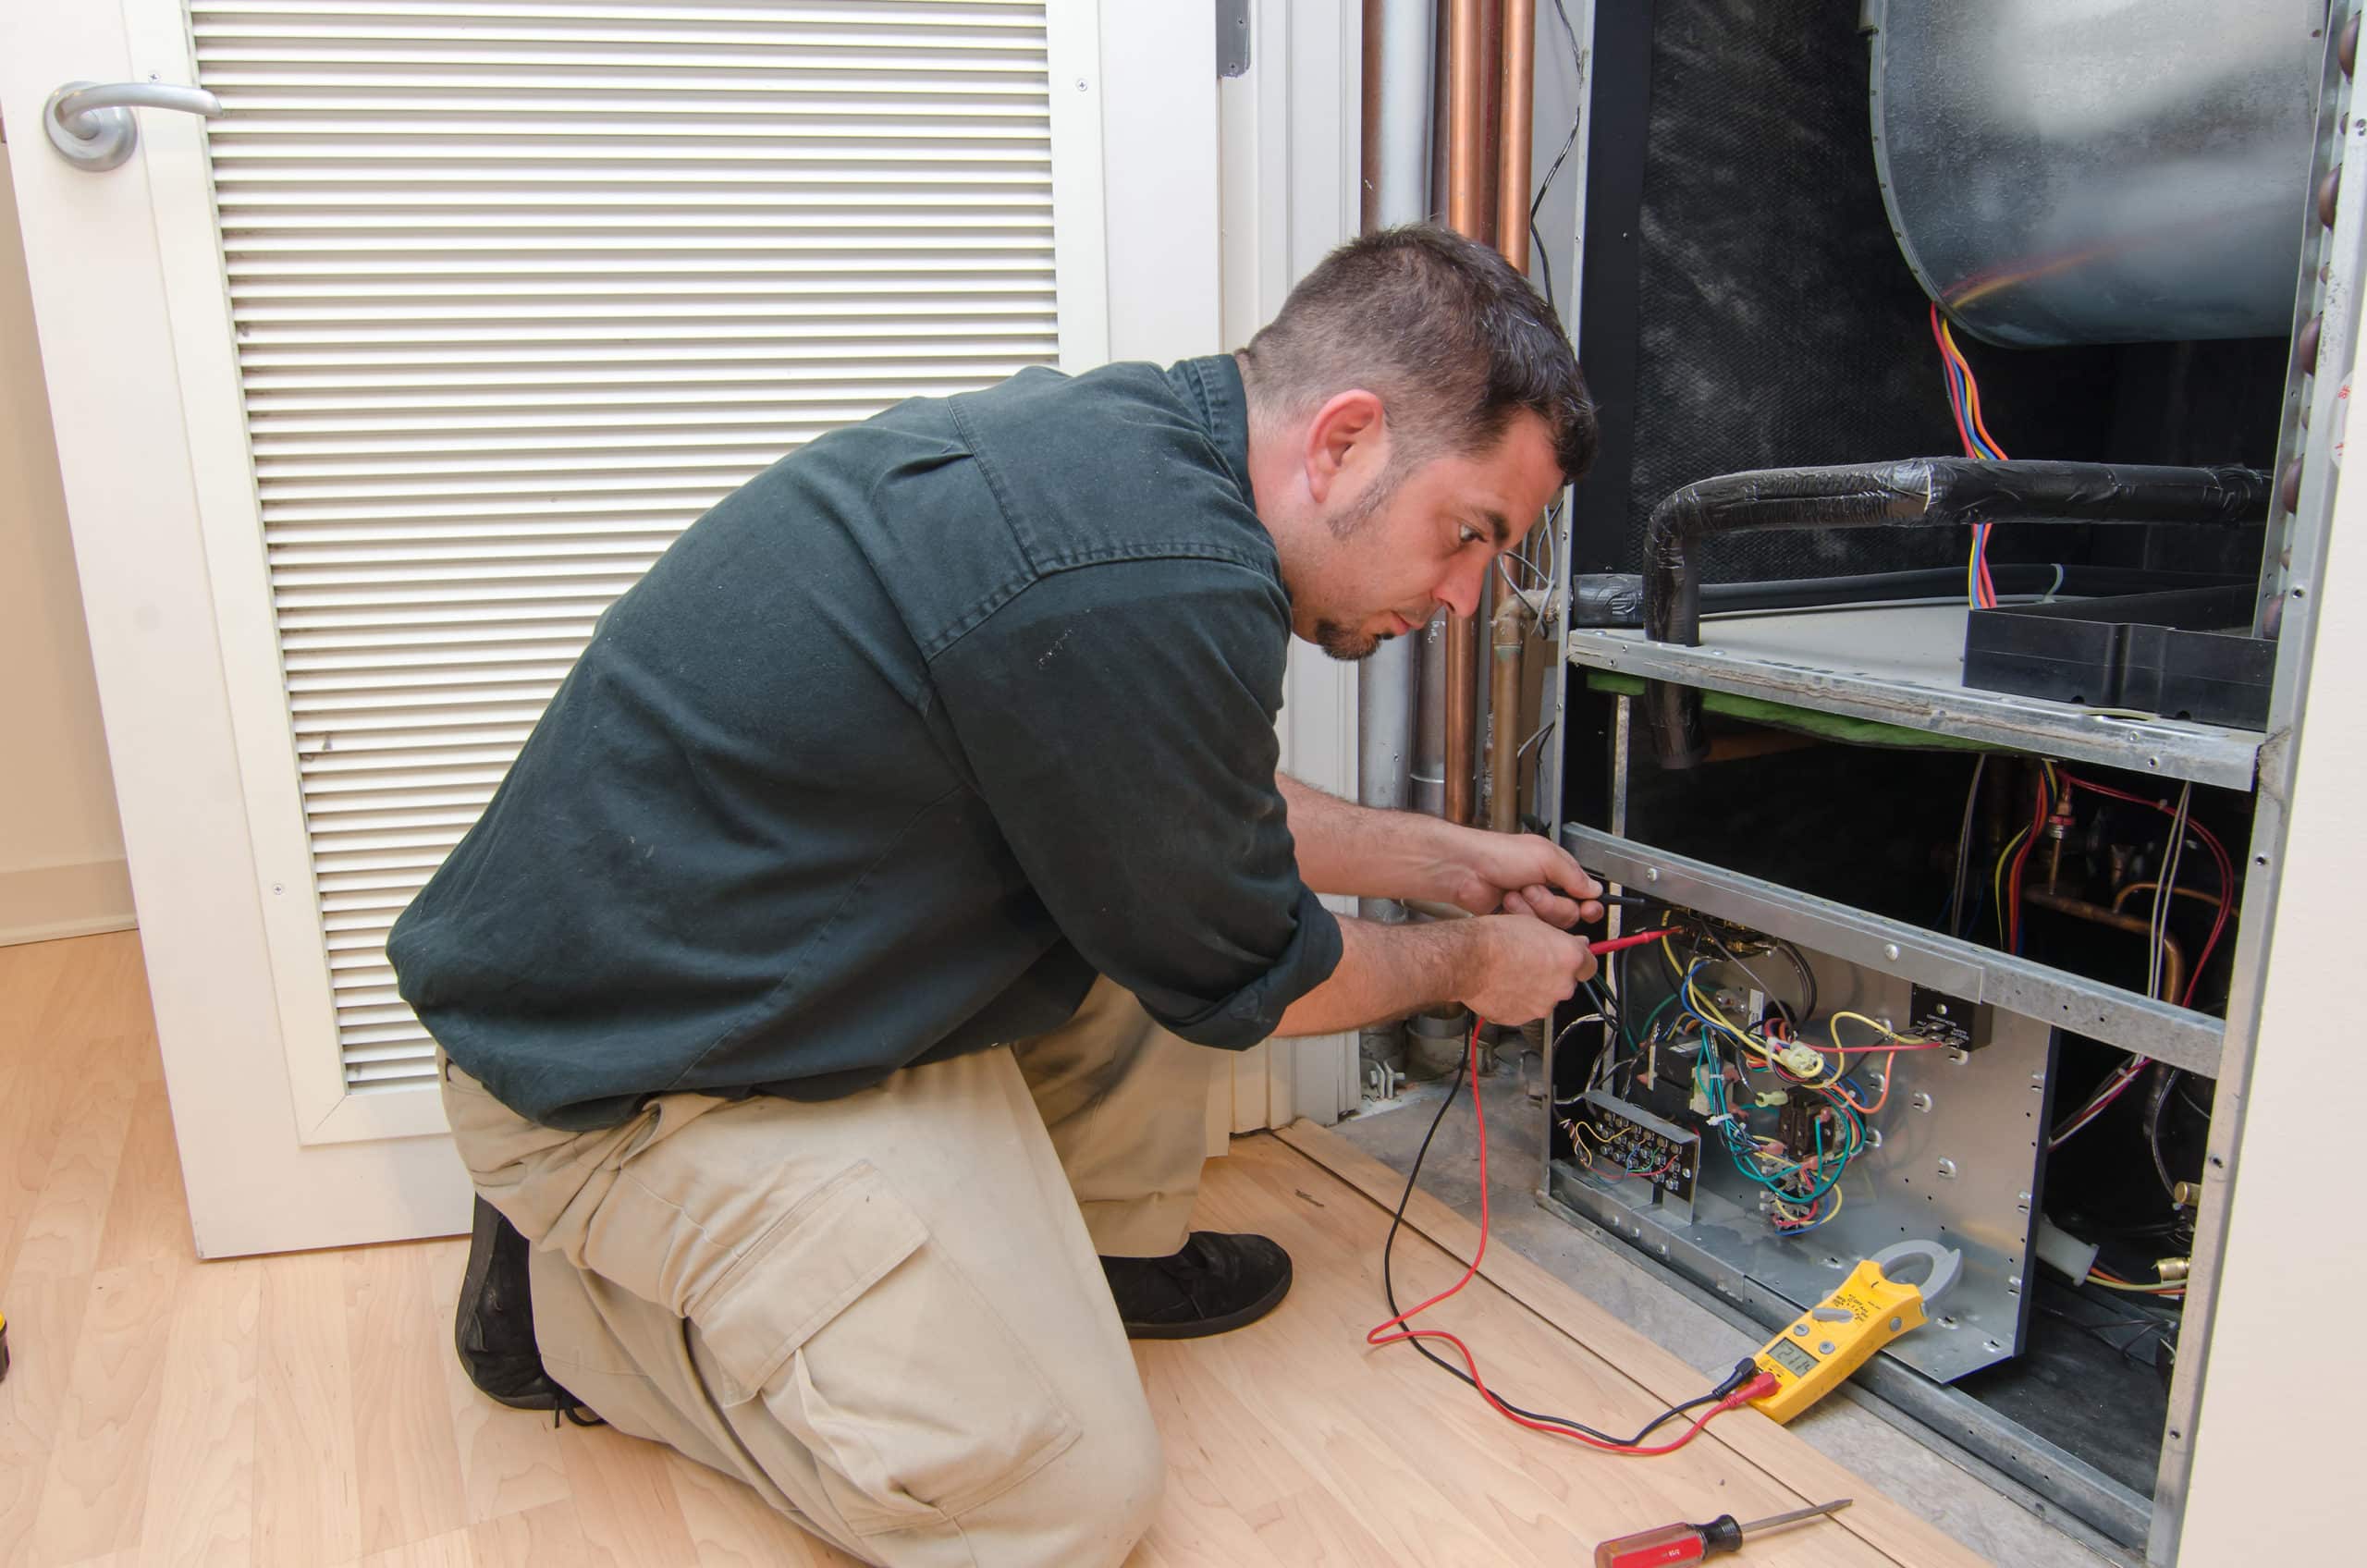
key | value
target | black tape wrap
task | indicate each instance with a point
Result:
(1911, 492)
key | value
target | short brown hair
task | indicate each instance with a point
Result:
(1442, 330)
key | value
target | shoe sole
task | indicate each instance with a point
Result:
(1204, 1328)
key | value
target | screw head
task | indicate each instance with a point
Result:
(1651, 874)
(1896, 1324)
(1921, 1101)
(1890, 950)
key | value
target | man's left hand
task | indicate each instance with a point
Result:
(1518, 874)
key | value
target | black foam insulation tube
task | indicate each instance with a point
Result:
(1910, 492)
(1613, 600)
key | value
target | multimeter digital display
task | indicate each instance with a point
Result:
(1792, 1356)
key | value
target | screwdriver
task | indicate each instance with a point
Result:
(1692, 1543)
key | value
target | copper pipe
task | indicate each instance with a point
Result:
(1464, 190)
(2173, 956)
(1369, 154)
(1491, 52)
(2196, 893)
(1464, 127)
(1516, 109)
(1511, 628)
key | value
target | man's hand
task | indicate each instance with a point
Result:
(1524, 967)
(1517, 873)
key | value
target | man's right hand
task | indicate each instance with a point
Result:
(1520, 967)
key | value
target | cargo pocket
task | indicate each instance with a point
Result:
(872, 1349)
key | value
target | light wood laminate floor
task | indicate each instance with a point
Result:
(306, 1409)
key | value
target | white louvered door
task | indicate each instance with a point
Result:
(374, 392)
(521, 286)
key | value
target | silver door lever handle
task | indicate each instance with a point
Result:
(91, 125)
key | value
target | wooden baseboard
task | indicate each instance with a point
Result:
(45, 903)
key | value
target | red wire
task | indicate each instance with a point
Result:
(1756, 1388)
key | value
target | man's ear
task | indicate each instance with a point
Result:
(1348, 439)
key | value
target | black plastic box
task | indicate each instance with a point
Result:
(2186, 653)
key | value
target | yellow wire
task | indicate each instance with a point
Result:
(2136, 1289)
(2007, 855)
(1886, 1033)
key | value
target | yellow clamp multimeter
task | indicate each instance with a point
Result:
(1818, 1351)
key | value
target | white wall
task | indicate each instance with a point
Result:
(61, 848)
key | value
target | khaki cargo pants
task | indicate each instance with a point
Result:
(886, 1312)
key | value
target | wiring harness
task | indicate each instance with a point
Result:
(1790, 1113)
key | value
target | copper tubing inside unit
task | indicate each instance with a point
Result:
(2135, 888)
(2173, 956)
(1466, 196)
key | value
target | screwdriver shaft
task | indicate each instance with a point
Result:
(1795, 1517)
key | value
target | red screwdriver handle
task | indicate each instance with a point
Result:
(1669, 1544)
(1654, 1548)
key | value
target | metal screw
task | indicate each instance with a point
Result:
(1941, 1009)
(1921, 1101)
(1948, 1169)
(1080, 85)
(1959, 1056)
(1991, 1345)
(1897, 1324)
(1651, 874)
(1890, 950)
(2013, 1285)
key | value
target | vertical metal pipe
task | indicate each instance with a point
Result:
(1399, 48)
(1396, 181)
(1429, 723)
(1400, 178)
(1511, 628)
(1511, 625)
(1464, 127)
(1516, 128)
(1465, 192)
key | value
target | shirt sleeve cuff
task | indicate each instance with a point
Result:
(1252, 1014)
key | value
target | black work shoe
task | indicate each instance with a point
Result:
(494, 1330)
(1217, 1283)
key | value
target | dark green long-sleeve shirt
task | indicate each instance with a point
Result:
(887, 757)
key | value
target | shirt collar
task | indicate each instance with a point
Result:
(1214, 386)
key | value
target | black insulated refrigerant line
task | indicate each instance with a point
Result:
(1910, 492)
